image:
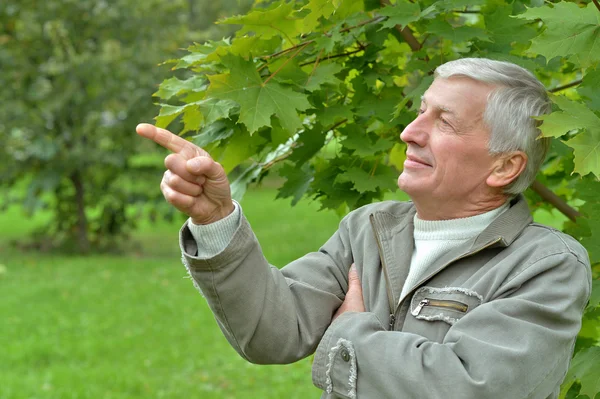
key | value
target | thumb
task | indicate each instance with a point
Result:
(205, 166)
(353, 280)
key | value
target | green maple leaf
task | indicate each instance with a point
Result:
(586, 146)
(584, 368)
(273, 21)
(505, 30)
(384, 178)
(323, 74)
(202, 53)
(239, 148)
(589, 89)
(318, 9)
(217, 131)
(362, 142)
(248, 46)
(310, 142)
(258, 101)
(402, 13)
(456, 34)
(330, 115)
(297, 181)
(168, 113)
(574, 115)
(328, 42)
(173, 86)
(570, 31)
(214, 109)
(192, 119)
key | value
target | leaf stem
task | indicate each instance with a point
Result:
(368, 21)
(312, 72)
(284, 64)
(338, 55)
(566, 86)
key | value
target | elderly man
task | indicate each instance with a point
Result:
(457, 294)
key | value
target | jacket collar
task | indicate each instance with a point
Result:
(396, 231)
(506, 227)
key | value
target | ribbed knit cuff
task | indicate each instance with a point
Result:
(215, 237)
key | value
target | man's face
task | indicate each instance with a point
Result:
(447, 154)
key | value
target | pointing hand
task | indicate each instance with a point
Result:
(194, 183)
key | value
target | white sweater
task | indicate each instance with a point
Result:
(433, 238)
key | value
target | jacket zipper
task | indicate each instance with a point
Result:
(454, 305)
(392, 320)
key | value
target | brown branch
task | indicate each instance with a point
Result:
(337, 55)
(553, 199)
(567, 86)
(597, 4)
(406, 32)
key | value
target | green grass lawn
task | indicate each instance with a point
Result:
(133, 326)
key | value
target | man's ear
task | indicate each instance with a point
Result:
(507, 168)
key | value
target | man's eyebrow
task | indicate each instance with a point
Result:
(441, 107)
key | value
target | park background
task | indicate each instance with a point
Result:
(94, 300)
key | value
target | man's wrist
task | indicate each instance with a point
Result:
(220, 214)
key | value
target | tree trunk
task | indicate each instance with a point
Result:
(82, 224)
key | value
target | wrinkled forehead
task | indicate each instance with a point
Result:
(457, 94)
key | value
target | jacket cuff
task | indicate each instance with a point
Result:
(334, 367)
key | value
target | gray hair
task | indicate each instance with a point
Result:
(509, 111)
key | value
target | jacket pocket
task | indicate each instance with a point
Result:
(448, 304)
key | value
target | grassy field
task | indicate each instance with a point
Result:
(132, 326)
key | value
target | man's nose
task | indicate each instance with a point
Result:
(417, 132)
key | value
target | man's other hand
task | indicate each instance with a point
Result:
(354, 298)
(194, 183)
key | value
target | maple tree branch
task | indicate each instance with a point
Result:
(406, 32)
(567, 86)
(284, 64)
(596, 4)
(286, 155)
(287, 50)
(349, 28)
(338, 55)
(366, 22)
(553, 199)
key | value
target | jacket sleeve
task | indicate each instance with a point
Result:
(515, 346)
(270, 315)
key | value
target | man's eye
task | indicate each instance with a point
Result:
(421, 111)
(445, 122)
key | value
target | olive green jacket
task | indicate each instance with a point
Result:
(495, 318)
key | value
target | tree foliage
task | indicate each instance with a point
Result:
(76, 76)
(323, 88)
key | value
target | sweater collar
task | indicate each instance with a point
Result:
(455, 229)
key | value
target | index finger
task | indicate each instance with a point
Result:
(170, 141)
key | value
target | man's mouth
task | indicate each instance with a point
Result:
(415, 162)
